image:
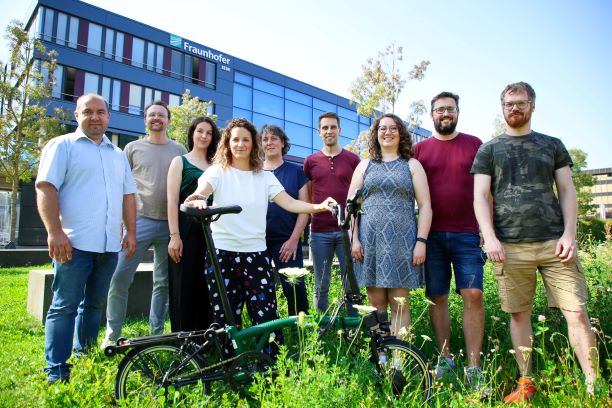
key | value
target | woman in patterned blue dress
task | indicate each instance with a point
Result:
(389, 243)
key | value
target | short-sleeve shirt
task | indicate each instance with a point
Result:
(246, 231)
(447, 164)
(522, 170)
(280, 223)
(91, 181)
(330, 177)
(150, 163)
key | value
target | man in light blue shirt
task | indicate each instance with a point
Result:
(84, 189)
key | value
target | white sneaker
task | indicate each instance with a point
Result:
(106, 342)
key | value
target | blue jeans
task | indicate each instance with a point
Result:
(296, 295)
(463, 251)
(149, 233)
(79, 288)
(323, 246)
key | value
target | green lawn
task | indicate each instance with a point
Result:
(333, 375)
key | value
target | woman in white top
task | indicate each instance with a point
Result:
(237, 178)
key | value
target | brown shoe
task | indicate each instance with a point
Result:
(523, 391)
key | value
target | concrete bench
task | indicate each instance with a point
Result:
(139, 301)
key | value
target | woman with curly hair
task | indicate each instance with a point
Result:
(189, 308)
(389, 243)
(237, 178)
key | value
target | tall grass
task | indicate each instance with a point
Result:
(330, 372)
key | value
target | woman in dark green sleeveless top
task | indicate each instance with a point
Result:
(189, 305)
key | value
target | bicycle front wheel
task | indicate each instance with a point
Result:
(143, 372)
(403, 368)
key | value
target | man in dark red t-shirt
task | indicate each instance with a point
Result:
(329, 172)
(447, 159)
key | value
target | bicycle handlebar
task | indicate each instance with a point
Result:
(210, 211)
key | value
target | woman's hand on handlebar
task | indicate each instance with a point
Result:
(326, 205)
(357, 250)
(196, 201)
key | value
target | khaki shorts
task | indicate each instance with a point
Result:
(516, 278)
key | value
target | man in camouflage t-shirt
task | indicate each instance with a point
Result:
(532, 229)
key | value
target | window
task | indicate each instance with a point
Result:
(298, 134)
(298, 97)
(159, 61)
(116, 97)
(174, 100)
(298, 113)
(210, 75)
(175, 64)
(323, 106)
(135, 104)
(242, 113)
(138, 47)
(150, 56)
(317, 143)
(268, 104)
(364, 119)
(119, 46)
(268, 87)
(109, 43)
(56, 91)
(148, 96)
(48, 26)
(259, 120)
(243, 78)
(73, 32)
(90, 84)
(349, 128)
(299, 151)
(62, 26)
(347, 113)
(68, 89)
(106, 88)
(243, 97)
(94, 39)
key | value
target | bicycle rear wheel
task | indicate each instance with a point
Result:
(142, 372)
(403, 368)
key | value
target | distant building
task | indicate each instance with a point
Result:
(602, 191)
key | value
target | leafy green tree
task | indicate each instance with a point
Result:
(499, 126)
(183, 114)
(583, 182)
(25, 96)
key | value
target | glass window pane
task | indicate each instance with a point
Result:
(48, 30)
(135, 104)
(159, 60)
(243, 78)
(349, 128)
(243, 113)
(106, 88)
(323, 106)
(174, 100)
(90, 84)
(347, 113)
(119, 47)
(317, 143)
(211, 75)
(344, 141)
(298, 97)
(157, 95)
(137, 52)
(259, 120)
(363, 128)
(62, 25)
(56, 91)
(116, 95)
(298, 134)
(188, 67)
(243, 97)
(268, 87)
(150, 56)
(299, 151)
(109, 42)
(315, 118)
(298, 113)
(94, 39)
(148, 96)
(364, 119)
(175, 64)
(268, 104)
(73, 32)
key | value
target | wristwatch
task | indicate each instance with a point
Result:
(421, 239)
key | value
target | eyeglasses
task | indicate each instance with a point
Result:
(383, 129)
(156, 115)
(442, 109)
(519, 104)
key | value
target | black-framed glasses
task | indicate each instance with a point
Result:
(519, 104)
(442, 109)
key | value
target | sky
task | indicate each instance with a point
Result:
(563, 48)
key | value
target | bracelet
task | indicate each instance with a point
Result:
(421, 239)
(173, 234)
(201, 197)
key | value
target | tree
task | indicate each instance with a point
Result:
(499, 126)
(583, 182)
(182, 115)
(25, 96)
(378, 88)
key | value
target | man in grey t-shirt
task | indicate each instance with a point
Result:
(149, 159)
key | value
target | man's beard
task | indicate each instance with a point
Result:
(517, 120)
(445, 129)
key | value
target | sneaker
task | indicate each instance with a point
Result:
(524, 390)
(106, 342)
(477, 381)
(445, 365)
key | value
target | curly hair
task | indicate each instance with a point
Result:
(405, 143)
(214, 142)
(224, 154)
(280, 133)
